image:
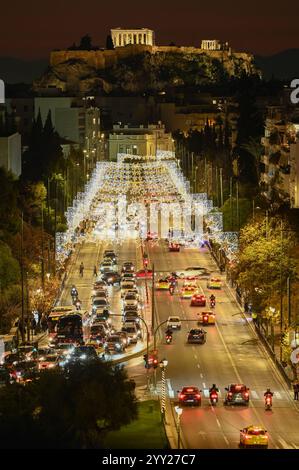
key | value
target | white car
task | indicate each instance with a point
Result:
(106, 266)
(174, 323)
(130, 299)
(193, 272)
(126, 286)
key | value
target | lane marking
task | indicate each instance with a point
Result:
(201, 376)
(170, 389)
(218, 422)
(226, 440)
(254, 394)
(204, 385)
(198, 366)
(195, 356)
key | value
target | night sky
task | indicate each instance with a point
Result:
(30, 29)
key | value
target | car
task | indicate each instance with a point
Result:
(99, 302)
(100, 293)
(115, 343)
(27, 350)
(207, 318)
(99, 332)
(50, 362)
(190, 396)
(174, 246)
(100, 284)
(106, 266)
(111, 277)
(24, 371)
(174, 323)
(193, 272)
(83, 353)
(97, 345)
(214, 283)
(110, 254)
(10, 360)
(130, 299)
(124, 336)
(134, 291)
(132, 332)
(130, 322)
(198, 300)
(237, 394)
(197, 336)
(162, 284)
(131, 315)
(64, 349)
(188, 291)
(144, 274)
(126, 286)
(254, 436)
(128, 267)
(130, 276)
(101, 314)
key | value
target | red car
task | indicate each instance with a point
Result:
(198, 300)
(144, 274)
(174, 247)
(190, 396)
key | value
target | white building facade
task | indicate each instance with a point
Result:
(11, 154)
(211, 44)
(123, 37)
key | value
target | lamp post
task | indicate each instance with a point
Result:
(178, 411)
(163, 365)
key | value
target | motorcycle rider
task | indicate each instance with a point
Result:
(171, 289)
(212, 298)
(74, 292)
(214, 389)
(78, 304)
(267, 394)
(168, 332)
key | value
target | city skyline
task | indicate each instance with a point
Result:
(32, 36)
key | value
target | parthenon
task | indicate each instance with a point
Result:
(122, 37)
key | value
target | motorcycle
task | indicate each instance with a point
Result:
(213, 398)
(168, 339)
(78, 305)
(171, 290)
(74, 298)
(212, 303)
(268, 403)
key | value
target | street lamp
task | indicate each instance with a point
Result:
(178, 411)
(163, 364)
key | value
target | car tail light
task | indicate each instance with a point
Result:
(205, 318)
(214, 395)
(230, 394)
(197, 395)
(182, 395)
(246, 394)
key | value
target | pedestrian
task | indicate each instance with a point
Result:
(95, 271)
(246, 307)
(81, 269)
(44, 323)
(33, 326)
(296, 389)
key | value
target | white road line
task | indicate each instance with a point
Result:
(254, 394)
(204, 385)
(284, 444)
(206, 392)
(201, 376)
(195, 356)
(277, 395)
(226, 440)
(198, 366)
(218, 422)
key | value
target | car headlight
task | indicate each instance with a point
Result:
(117, 345)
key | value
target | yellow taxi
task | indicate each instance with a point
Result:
(97, 345)
(188, 291)
(214, 283)
(207, 318)
(162, 284)
(253, 436)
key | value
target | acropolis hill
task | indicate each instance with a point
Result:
(136, 68)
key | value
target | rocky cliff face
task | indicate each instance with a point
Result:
(137, 70)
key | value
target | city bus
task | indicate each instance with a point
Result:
(54, 316)
(70, 328)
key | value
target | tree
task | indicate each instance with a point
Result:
(109, 42)
(72, 408)
(85, 43)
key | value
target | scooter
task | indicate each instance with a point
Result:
(171, 290)
(213, 398)
(168, 339)
(212, 303)
(268, 403)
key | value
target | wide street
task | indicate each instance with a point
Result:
(232, 353)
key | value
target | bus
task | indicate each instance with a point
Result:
(54, 316)
(70, 328)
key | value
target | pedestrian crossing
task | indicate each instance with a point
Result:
(254, 394)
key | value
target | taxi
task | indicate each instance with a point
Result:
(207, 318)
(97, 344)
(253, 436)
(188, 291)
(162, 284)
(214, 283)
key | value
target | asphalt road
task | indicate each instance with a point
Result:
(232, 354)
